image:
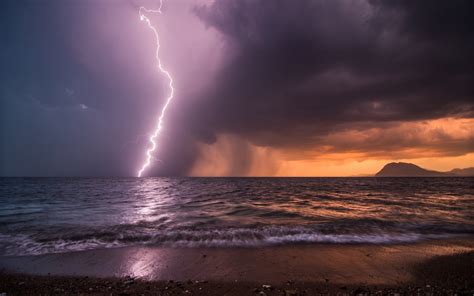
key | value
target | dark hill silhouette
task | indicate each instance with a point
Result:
(462, 172)
(403, 169)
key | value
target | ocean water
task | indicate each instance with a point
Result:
(50, 215)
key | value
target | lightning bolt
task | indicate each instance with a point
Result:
(159, 125)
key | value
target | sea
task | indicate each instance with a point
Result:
(58, 215)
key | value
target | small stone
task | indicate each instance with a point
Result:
(291, 293)
(262, 293)
(359, 291)
(266, 287)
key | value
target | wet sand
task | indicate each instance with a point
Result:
(443, 266)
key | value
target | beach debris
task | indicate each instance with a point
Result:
(129, 282)
(268, 287)
(291, 293)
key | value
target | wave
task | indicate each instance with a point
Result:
(20, 245)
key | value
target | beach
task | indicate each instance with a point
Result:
(430, 267)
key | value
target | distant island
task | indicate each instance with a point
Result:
(403, 169)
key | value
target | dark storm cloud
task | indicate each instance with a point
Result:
(301, 69)
(79, 92)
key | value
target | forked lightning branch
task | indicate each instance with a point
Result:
(153, 137)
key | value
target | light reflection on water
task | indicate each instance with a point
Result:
(42, 215)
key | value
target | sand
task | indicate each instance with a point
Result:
(431, 267)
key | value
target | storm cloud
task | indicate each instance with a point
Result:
(307, 77)
(315, 66)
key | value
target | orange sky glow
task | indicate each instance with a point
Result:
(441, 144)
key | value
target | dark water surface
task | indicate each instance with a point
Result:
(46, 215)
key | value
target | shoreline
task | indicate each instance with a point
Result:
(441, 264)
